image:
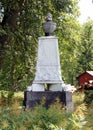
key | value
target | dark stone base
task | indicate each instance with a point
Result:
(33, 98)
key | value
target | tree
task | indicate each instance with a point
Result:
(85, 59)
(69, 38)
(20, 27)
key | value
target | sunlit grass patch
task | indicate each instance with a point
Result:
(78, 98)
(19, 94)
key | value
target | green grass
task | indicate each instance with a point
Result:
(16, 94)
(78, 98)
(13, 117)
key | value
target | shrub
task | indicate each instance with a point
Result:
(88, 97)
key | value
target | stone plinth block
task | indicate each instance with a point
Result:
(48, 61)
(33, 98)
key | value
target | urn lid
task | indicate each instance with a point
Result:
(49, 17)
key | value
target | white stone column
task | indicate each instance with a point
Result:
(48, 65)
(48, 62)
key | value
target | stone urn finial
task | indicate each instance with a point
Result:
(49, 26)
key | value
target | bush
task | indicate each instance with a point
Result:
(88, 97)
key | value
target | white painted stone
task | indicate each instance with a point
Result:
(55, 87)
(69, 88)
(38, 87)
(64, 87)
(69, 107)
(48, 53)
(48, 66)
(48, 61)
(29, 88)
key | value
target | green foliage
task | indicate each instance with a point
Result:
(86, 47)
(20, 27)
(69, 33)
(7, 97)
(13, 117)
(86, 104)
(40, 118)
(89, 116)
(88, 99)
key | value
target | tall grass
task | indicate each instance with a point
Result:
(13, 117)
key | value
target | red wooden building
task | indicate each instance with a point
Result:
(85, 77)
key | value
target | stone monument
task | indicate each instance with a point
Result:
(48, 79)
(48, 72)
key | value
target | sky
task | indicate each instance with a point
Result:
(86, 9)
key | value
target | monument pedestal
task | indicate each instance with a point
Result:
(33, 98)
(48, 81)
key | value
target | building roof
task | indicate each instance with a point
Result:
(90, 72)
